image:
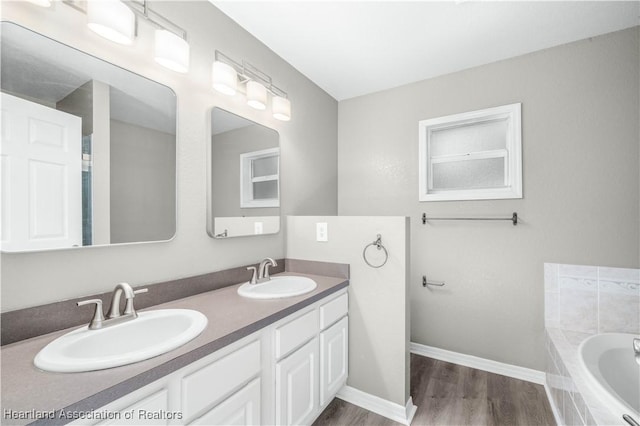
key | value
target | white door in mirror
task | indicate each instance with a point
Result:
(278, 287)
(42, 164)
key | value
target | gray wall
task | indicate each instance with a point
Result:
(143, 184)
(580, 109)
(308, 145)
(378, 297)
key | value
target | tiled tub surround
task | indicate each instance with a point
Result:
(231, 317)
(581, 301)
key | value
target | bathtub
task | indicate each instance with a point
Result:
(610, 366)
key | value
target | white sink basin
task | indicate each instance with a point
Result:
(278, 287)
(151, 334)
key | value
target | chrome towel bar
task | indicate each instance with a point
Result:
(513, 218)
(426, 283)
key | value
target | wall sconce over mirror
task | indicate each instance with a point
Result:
(244, 177)
(117, 21)
(88, 149)
(228, 76)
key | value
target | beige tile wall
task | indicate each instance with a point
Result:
(592, 299)
(581, 301)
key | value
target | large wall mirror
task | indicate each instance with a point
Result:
(88, 149)
(244, 169)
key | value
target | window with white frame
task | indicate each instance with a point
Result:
(260, 178)
(475, 155)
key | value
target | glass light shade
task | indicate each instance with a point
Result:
(256, 95)
(281, 108)
(171, 51)
(111, 19)
(225, 78)
(43, 3)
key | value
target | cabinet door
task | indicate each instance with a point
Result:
(241, 408)
(334, 359)
(297, 386)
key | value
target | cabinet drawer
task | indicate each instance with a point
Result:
(332, 311)
(143, 412)
(295, 333)
(210, 384)
(241, 408)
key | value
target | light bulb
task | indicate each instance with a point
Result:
(281, 108)
(256, 95)
(171, 51)
(224, 77)
(43, 3)
(111, 19)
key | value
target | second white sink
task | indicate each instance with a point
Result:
(151, 334)
(278, 287)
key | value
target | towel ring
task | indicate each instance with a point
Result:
(378, 244)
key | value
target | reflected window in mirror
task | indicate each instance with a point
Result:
(260, 178)
(244, 183)
(88, 149)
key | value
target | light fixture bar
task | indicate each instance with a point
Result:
(142, 9)
(247, 71)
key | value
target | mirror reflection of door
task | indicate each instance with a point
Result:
(108, 178)
(41, 176)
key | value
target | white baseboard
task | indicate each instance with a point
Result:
(522, 373)
(388, 409)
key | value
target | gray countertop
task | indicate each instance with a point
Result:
(231, 317)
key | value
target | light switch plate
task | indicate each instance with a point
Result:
(322, 232)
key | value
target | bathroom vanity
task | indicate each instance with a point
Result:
(277, 361)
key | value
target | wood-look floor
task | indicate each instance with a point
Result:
(450, 394)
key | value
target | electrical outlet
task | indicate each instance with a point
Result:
(257, 228)
(322, 232)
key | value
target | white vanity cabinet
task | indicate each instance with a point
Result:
(308, 378)
(241, 408)
(283, 374)
(334, 360)
(297, 386)
(204, 391)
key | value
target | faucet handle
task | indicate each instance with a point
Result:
(128, 306)
(98, 315)
(254, 276)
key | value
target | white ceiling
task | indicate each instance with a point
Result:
(352, 48)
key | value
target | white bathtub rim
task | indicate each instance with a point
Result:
(599, 385)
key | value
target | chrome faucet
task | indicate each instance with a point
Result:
(114, 316)
(261, 274)
(636, 349)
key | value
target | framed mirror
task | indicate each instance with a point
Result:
(88, 149)
(244, 172)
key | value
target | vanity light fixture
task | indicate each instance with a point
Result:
(171, 51)
(116, 21)
(281, 108)
(224, 78)
(43, 3)
(112, 19)
(229, 76)
(256, 95)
